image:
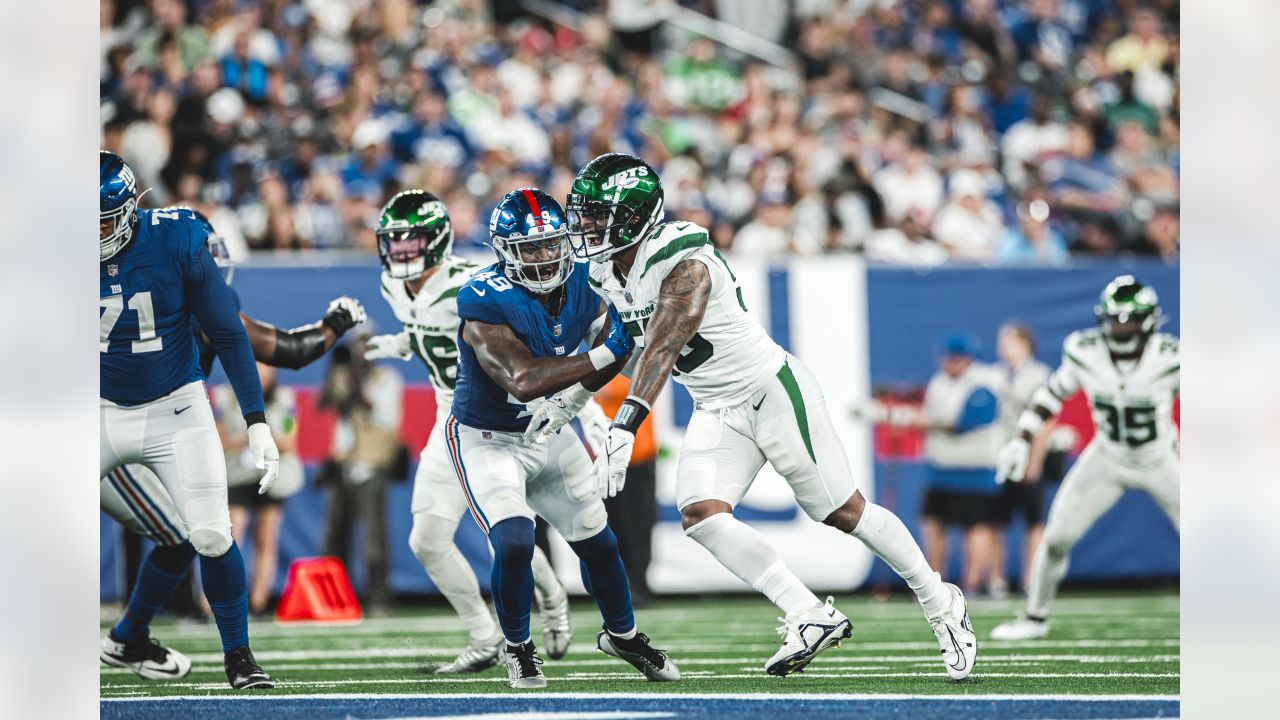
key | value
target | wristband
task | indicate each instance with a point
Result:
(601, 357)
(630, 414)
(255, 417)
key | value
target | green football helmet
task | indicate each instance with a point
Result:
(1129, 313)
(614, 202)
(414, 234)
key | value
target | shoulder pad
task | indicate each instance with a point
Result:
(672, 242)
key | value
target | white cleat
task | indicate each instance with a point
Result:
(1024, 628)
(643, 656)
(805, 635)
(557, 630)
(477, 657)
(524, 667)
(958, 642)
(146, 657)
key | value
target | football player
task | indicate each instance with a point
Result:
(135, 497)
(522, 319)
(156, 276)
(755, 403)
(1129, 372)
(420, 281)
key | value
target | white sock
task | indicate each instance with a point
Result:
(453, 575)
(886, 536)
(626, 635)
(544, 576)
(748, 555)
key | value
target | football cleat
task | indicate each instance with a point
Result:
(1024, 628)
(643, 656)
(243, 671)
(475, 658)
(805, 634)
(557, 631)
(956, 639)
(146, 657)
(524, 667)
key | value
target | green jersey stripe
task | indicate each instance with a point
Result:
(788, 380)
(1170, 371)
(680, 244)
(1077, 361)
(446, 295)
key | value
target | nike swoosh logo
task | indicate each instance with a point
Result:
(757, 407)
(176, 411)
(960, 665)
(479, 291)
(171, 668)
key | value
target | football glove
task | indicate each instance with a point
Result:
(619, 340)
(551, 414)
(343, 314)
(395, 346)
(611, 465)
(1011, 461)
(595, 426)
(265, 454)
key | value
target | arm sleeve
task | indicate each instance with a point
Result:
(299, 347)
(216, 310)
(979, 411)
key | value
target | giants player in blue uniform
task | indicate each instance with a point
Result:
(156, 275)
(522, 320)
(135, 497)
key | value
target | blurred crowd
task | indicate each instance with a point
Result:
(912, 131)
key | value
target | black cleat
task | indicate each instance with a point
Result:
(243, 671)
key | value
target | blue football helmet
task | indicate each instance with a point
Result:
(117, 201)
(529, 232)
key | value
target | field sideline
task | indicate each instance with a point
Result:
(1111, 654)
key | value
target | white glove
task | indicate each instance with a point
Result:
(1011, 462)
(870, 411)
(611, 465)
(551, 414)
(265, 454)
(388, 346)
(595, 426)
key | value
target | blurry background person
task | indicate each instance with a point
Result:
(961, 439)
(265, 511)
(634, 511)
(1016, 347)
(366, 444)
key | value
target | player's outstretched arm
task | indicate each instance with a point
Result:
(681, 304)
(509, 363)
(303, 345)
(1015, 457)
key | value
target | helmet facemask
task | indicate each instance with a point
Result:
(599, 229)
(122, 221)
(540, 262)
(408, 252)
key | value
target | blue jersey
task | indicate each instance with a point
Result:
(490, 297)
(206, 351)
(150, 293)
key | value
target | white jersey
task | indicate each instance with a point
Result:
(431, 320)
(730, 356)
(1132, 401)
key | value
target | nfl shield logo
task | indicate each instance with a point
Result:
(557, 328)
(486, 435)
(627, 295)
(113, 270)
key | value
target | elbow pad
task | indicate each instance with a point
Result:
(298, 347)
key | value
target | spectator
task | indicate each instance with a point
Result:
(912, 186)
(634, 511)
(266, 511)
(907, 243)
(961, 406)
(1143, 49)
(969, 225)
(1016, 347)
(367, 400)
(1033, 241)
(242, 71)
(769, 234)
(1160, 236)
(370, 169)
(170, 17)
(1028, 142)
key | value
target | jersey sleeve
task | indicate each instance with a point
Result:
(1065, 380)
(480, 304)
(217, 311)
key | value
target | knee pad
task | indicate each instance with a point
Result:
(209, 542)
(587, 522)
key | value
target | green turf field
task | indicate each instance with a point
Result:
(1103, 643)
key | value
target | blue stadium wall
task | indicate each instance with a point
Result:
(857, 327)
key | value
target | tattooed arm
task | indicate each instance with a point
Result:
(681, 305)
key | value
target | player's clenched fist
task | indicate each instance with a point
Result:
(265, 454)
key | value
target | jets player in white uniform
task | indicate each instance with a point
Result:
(755, 404)
(1130, 374)
(420, 281)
